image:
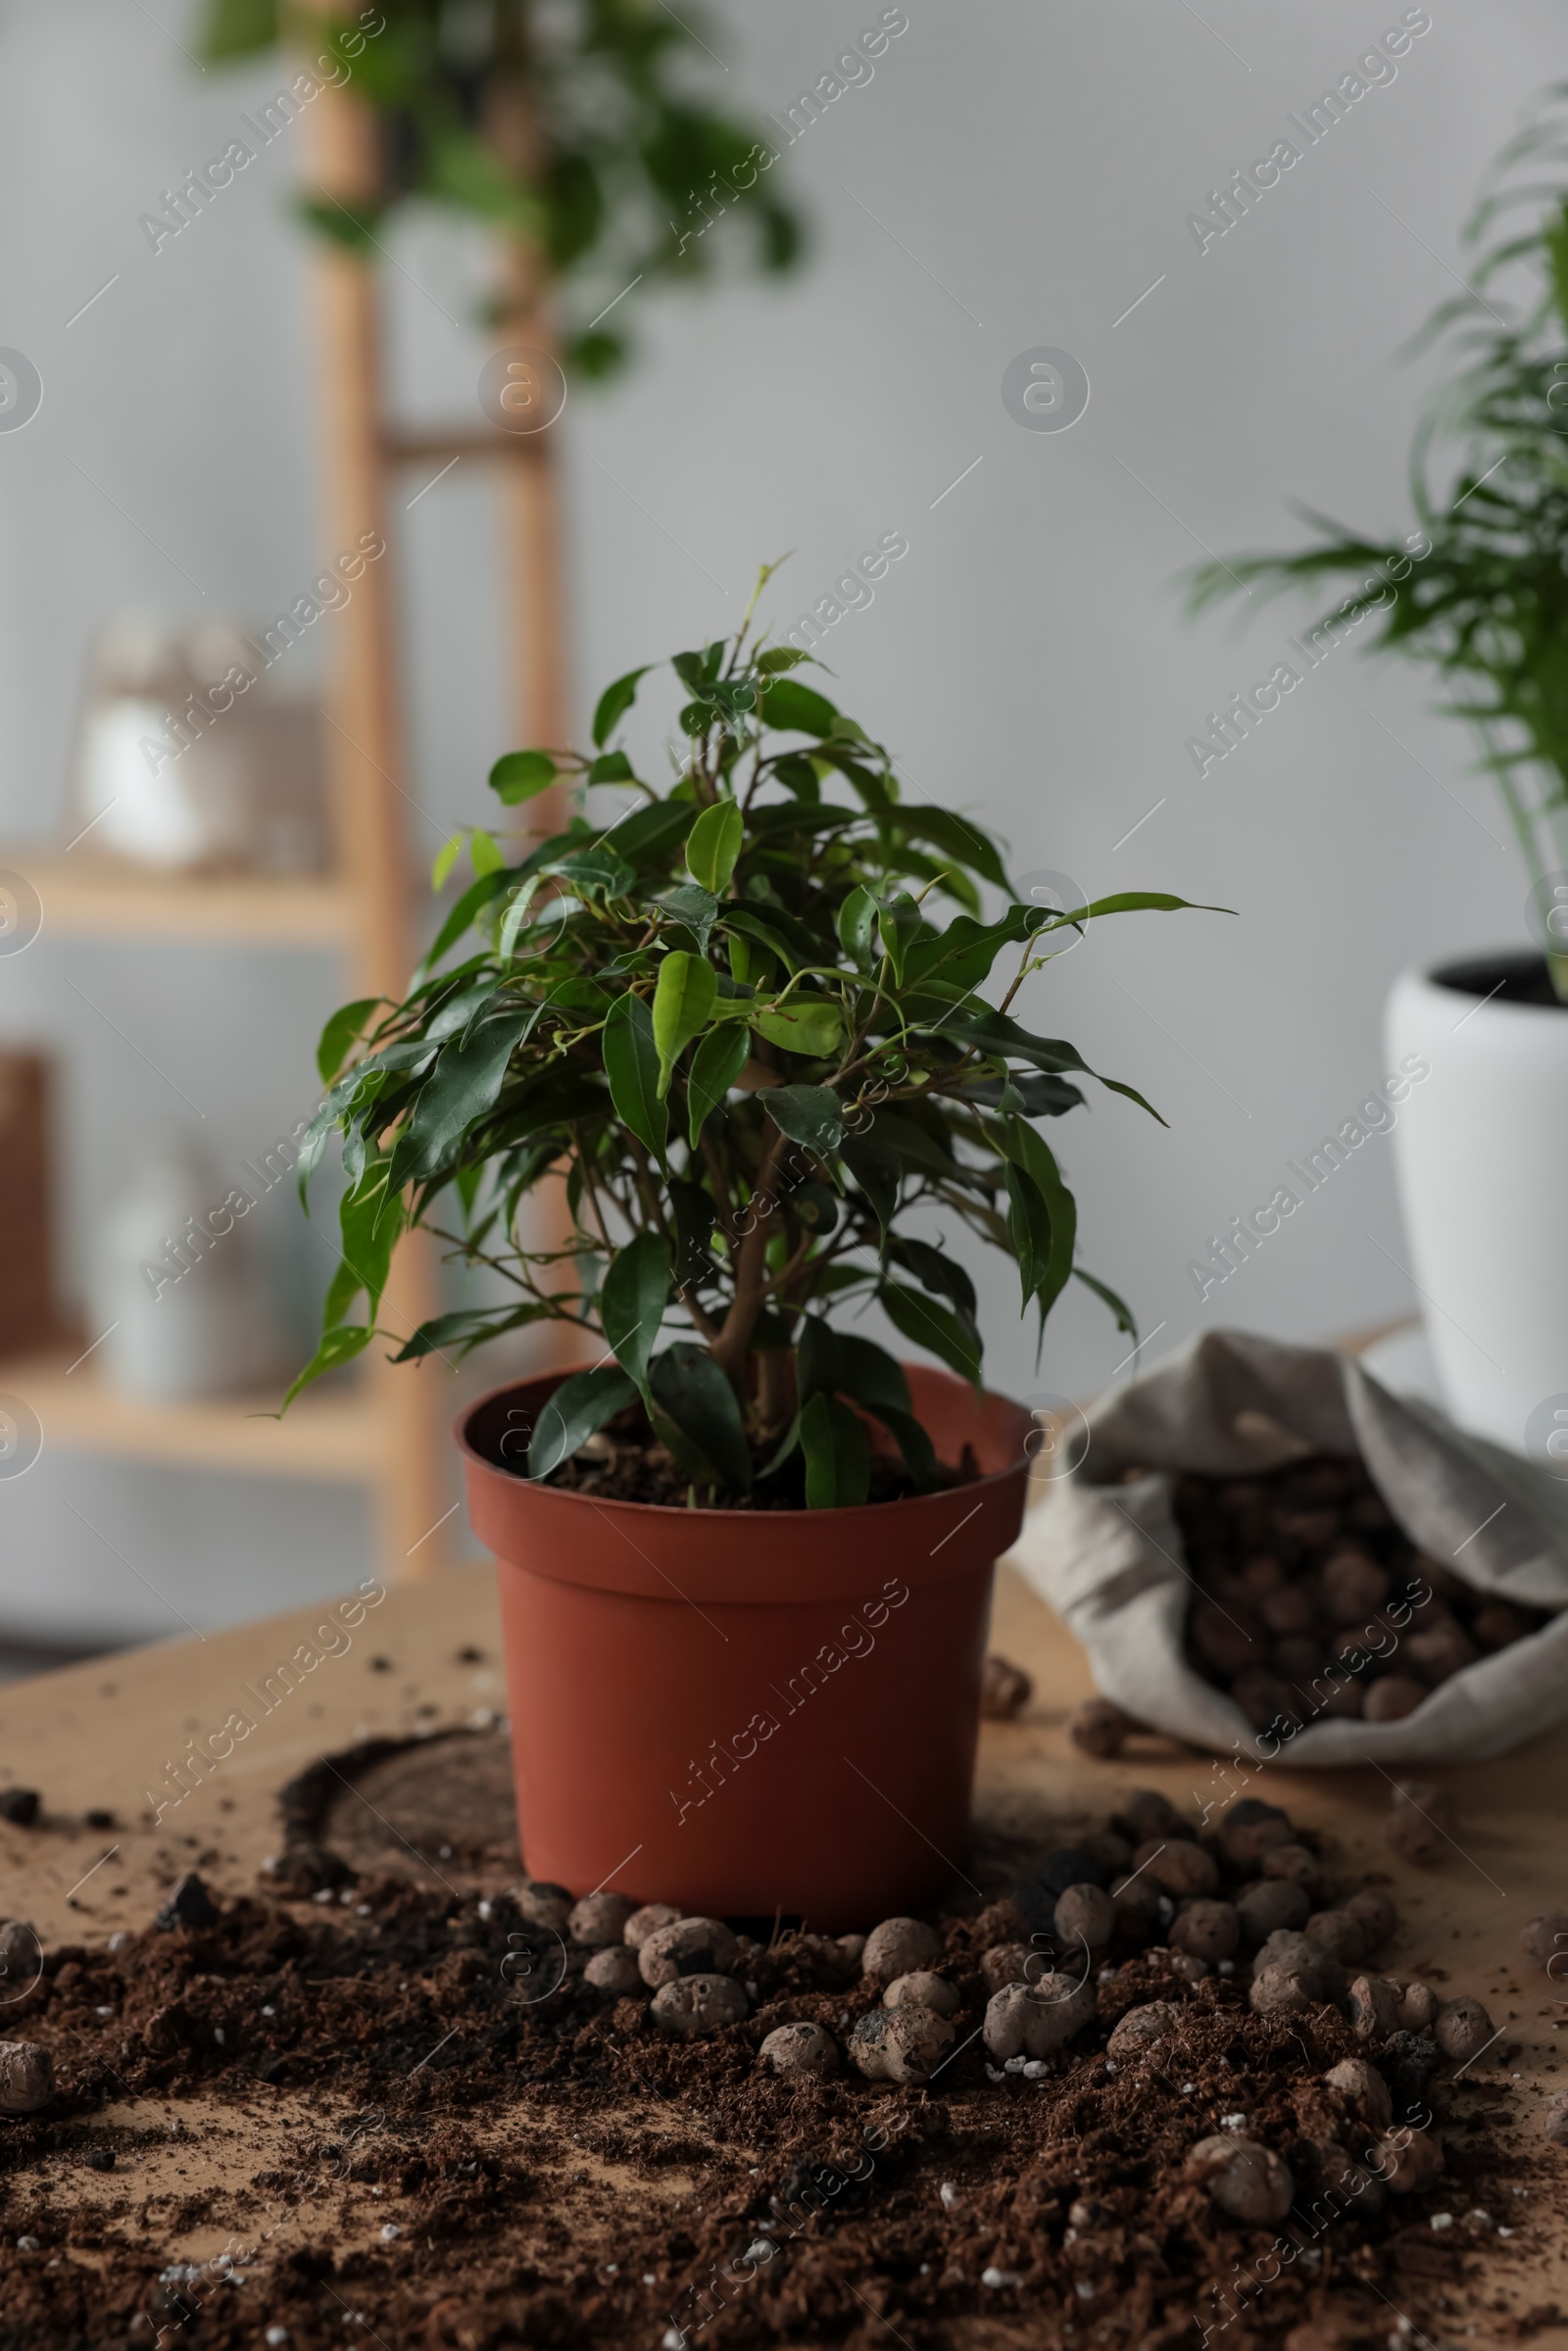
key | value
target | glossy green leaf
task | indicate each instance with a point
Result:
(573, 1411)
(697, 909)
(1120, 1310)
(809, 1025)
(483, 855)
(713, 844)
(519, 776)
(631, 1064)
(613, 767)
(693, 1395)
(683, 1002)
(615, 701)
(838, 1454)
(796, 708)
(810, 1115)
(899, 925)
(446, 857)
(912, 1442)
(715, 1065)
(936, 1328)
(339, 1034)
(816, 1358)
(1031, 1153)
(465, 1082)
(956, 837)
(870, 1375)
(339, 1346)
(631, 1302)
(937, 1270)
(856, 924)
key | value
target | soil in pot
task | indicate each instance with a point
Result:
(625, 1462)
(347, 2114)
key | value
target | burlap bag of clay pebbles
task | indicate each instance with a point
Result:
(1103, 1546)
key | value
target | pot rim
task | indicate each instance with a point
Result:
(665, 1513)
(1425, 976)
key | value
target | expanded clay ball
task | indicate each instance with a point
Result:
(1374, 2008)
(544, 1905)
(1421, 1826)
(1390, 1698)
(1338, 1933)
(1005, 1963)
(1418, 2008)
(1099, 1729)
(1208, 1931)
(1296, 1864)
(687, 1947)
(1270, 1904)
(800, 2049)
(694, 2006)
(648, 1921)
(1005, 1689)
(922, 1990)
(1177, 1866)
(1377, 1914)
(613, 1969)
(853, 1948)
(1407, 2161)
(900, 1947)
(1281, 1990)
(1149, 1814)
(901, 2044)
(1246, 2180)
(1498, 1627)
(1363, 2089)
(1033, 2020)
(1543, 1940)
(1350, 2186)
(1086, 1911)
(1142, 2028)
(1462, 2028)
(1354, 1587)
(1440, 1652)
(1136, 1902)
(26, 2076)
(599, 1919)
(1109, 1853)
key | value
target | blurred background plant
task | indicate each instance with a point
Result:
(1488, 607)
(581, 134)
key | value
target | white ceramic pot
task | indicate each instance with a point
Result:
(1482, 1150)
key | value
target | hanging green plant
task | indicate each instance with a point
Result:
(748, 1023)
(580, 132)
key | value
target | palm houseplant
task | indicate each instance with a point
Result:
(761, 1033)
(1480, 595)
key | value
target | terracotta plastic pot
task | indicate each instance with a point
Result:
(747, 1711)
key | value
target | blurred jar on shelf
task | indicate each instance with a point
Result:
(189, 759)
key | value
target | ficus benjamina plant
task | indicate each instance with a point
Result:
(757, 1026)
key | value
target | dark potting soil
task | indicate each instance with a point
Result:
(1514, 979)
(439, 2137)
(1309, 1598)
(625, 1462)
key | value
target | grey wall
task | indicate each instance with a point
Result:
(1013, 175)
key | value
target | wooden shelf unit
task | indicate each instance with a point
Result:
(389, 1429)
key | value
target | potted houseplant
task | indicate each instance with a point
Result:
(1481, 595)
(745, 1553)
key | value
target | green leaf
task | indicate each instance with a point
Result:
(597, 872)
(474, 900)
(339, 1034)
(926, 1324)
(794, 708)
(644, 833)
(574, 1412)
(877, 1172)
(446, 857)
(464, 1082)
(1029, 1225)
(838, 1454)
(694, 1397)
(632, 1300)
(466, 1328)
(631, 1064)
(963, 954)
(809, 1114)
(1108, 1297)
(870, 1374)
(775, 658)
(683, 1001)
(1028, 1150)
(936, 1271)
(613, 768)
(857, 925)
(809, 1025)
(339, 1346)
(697, 909)
(956, 837)
(899, 927)
(483, 855)
(713, 844)
(912, 1442)
(370, 1218)
(519, 776)
(715, 1065)
(816, 1358)
(615, 701)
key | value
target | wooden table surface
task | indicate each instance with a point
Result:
(103, 1736)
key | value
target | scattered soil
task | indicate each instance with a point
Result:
(625, 1462)
(400, 2115)
(1312, 1597)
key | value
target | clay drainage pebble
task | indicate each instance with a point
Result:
(1046, 2114)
